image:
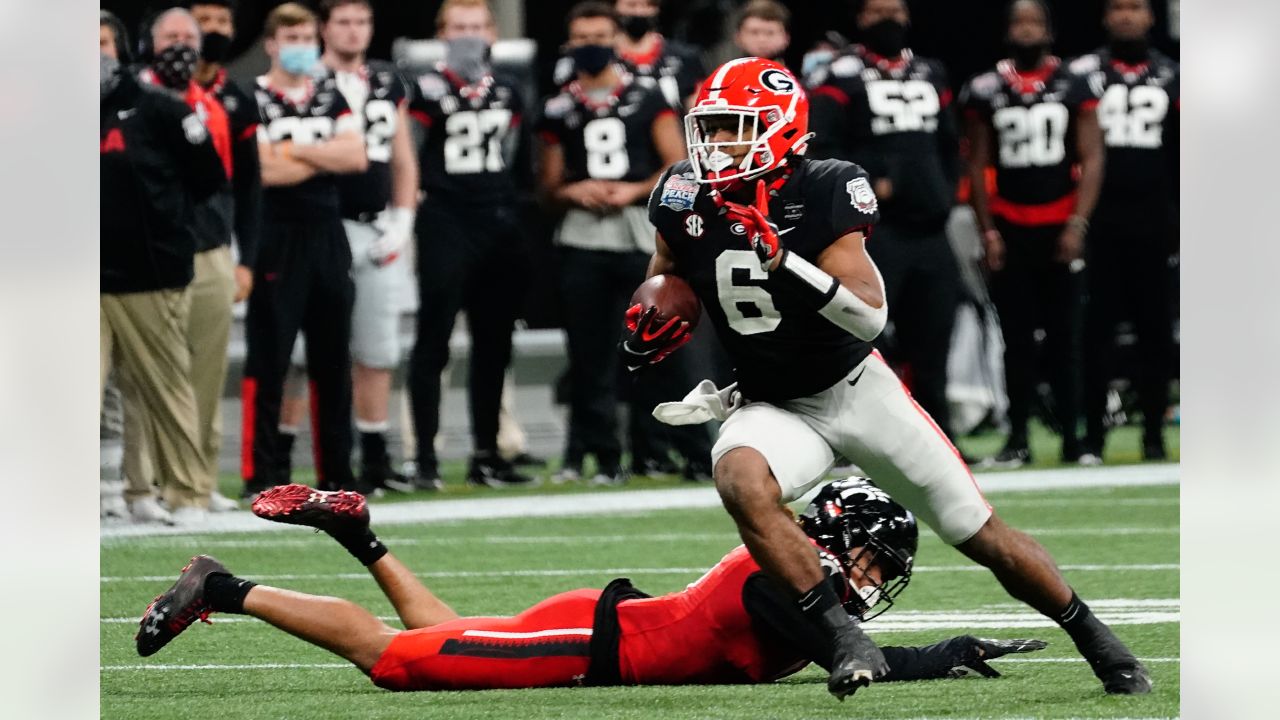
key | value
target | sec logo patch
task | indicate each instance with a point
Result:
(693, 225)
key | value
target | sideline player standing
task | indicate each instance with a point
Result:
(797, 317)
(889, 109)
(1135, 227)
(470, 254)
(1034, 120)
(377, 214)
(674, 67)
(303, 276)
(605, 140)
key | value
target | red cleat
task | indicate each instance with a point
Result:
(340, 511)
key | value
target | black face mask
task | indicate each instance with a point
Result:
(174, 66)
(215, 47)
(1028, 57)
(887, 38)
(591, 59)
(637, 26)
(1130, 51)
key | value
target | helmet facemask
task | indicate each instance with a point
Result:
(751, 127)
(873, 598)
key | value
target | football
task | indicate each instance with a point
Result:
(672, 296)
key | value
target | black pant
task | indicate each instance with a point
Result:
(1031, 292)
(469, 259)
(302, 281)
(1129, 278)
(669, 380)
(922, 287)
(595, 289)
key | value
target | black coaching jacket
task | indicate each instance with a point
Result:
(157, 161)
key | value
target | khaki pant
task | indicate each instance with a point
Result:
(144, 334)
(208, 331)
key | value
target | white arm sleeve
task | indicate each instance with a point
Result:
(840, 305)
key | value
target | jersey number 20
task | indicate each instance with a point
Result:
(748, 308)
(474, 142)
(1032, 136)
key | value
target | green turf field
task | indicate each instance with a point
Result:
(1120, 548)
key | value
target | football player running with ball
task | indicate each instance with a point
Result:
(740, 624)
(773, 246)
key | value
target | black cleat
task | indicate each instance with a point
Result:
(383, 478)
(342, 511)
(252, 487)
(1153, 449)
(857, 663)
(490, 470)
(699, 472)
(654, 467)
(177, 608)
(1115, 665)
(1126, 680)
(1012, 456)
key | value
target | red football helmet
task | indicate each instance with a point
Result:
(753, 103)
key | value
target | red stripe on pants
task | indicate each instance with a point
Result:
(936, 429)
(316, 453)
(248, 400)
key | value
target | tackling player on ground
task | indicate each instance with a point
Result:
(742, 623)
(773, 245)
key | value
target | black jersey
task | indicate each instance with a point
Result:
(606, 139)
(894, 119)
(1139, 114)
(470, 130)
(238, 208)
(318, 115)
(375, 95)
(1033, 117)
(780, 347)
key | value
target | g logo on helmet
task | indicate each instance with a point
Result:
(778, 81)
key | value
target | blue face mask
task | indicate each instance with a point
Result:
(299, 59)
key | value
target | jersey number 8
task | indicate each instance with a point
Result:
(605, 140)
(474, 142)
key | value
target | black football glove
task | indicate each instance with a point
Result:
(650, 343)
(969, 655)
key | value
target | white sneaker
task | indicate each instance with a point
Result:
(189, 515)
(219, 503)
(148, 510)
(1088, 459)
(111, 504)
(566, 475)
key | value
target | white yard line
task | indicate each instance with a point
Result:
(636, 501)
(577, 572)
(313, 539)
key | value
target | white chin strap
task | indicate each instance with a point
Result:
(870, 596)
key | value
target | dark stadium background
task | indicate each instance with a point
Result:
(965, 34)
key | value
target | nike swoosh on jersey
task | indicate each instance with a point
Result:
(784, 232)
(856, 378)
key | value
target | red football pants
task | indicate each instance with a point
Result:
(547, 645)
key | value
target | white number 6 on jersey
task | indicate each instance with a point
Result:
(734, 299)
